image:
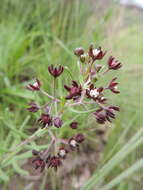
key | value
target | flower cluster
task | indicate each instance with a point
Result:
(84, 92)
(47, 159)
(40, 162)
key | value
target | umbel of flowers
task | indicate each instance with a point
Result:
(85, 93)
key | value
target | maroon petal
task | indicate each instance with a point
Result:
(74, 83)
(67, 87)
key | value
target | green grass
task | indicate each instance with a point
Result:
(35, 34)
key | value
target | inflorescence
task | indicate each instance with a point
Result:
(79, 93)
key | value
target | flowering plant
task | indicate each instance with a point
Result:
(79, 93)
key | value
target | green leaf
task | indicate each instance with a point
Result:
(98, 176)
(18, 169)
(20, 92)
(128, 172)
(3, 176)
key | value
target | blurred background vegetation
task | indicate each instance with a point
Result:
(37, 33)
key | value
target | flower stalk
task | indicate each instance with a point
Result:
(82, 91)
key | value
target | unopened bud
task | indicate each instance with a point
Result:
(79, 51)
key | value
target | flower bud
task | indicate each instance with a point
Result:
(84, 57)
(79, 138)
(62, 153)
(113, 64)
(45, 119)
(74, 125)
(57, 122)
(79, 51)
(33, 107)
(73, 143)
(34, 87)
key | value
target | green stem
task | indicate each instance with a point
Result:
(54, 95)
(44, 181)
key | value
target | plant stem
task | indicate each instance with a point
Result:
(45, 155)
(37, 134)
(105, 72)
(54, 95)
(51, 135)
(44, 181)
(49, 96)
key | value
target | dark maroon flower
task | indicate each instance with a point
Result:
(57, 122)
(113, 86)
(74, 125)
(100, 116)
(95, 93)
(105, 114)
(79, 138)
(79, 51)
(33, 107)
(45, 119)
(113, 64)
(96, 54)
(62, 153)
(74, 91)
(39, 163)
(55, 71)
(73, 143)
(110, 112)
(54, 162)
(34, 87)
